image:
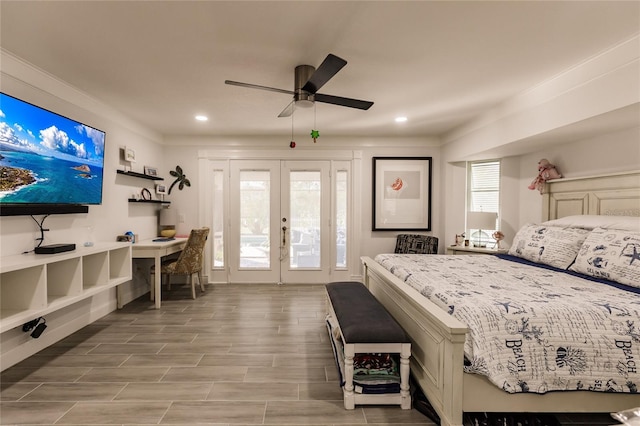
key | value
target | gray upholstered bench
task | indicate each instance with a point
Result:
(366, 327)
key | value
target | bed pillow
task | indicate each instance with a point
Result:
(550, 245)
(627, 223)
(611, 254)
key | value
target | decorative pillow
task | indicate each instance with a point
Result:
(549, 245)
(611, 254)
(627, 223)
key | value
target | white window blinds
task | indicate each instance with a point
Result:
(484, 186)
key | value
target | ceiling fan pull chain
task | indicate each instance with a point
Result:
(292, 144)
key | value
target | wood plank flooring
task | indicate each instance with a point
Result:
(237, 355)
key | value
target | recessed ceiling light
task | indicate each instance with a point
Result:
(401, 119)
(202, 118)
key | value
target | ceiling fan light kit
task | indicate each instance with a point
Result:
(305, 103)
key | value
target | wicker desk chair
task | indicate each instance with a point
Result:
(414, 243)
(189, 262)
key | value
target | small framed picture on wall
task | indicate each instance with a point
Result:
(129, 155)
(151, 171)
(161, 188)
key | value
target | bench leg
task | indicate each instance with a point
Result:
(349, 397)
(405, 396)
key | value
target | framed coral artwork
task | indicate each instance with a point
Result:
(401, 194)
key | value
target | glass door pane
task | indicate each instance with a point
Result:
(254, 231)
(217, 252)
(255, 193)
(341, 203)
(305, 209)
(304, 216)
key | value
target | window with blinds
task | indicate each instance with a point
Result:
(484, 195)
(484, 186)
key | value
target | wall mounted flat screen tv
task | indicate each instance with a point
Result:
(48, 163)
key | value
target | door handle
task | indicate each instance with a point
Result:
(284, 232)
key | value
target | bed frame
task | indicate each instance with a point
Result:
(438, 338)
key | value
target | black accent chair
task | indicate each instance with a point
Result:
(414, 243)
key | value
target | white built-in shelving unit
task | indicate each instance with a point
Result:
(33, 285)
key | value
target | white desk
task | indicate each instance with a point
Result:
(149, 249)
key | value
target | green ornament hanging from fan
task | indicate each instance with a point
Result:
(315, 134)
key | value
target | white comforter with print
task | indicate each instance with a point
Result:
(532, 329)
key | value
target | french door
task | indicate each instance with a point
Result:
(287, 221)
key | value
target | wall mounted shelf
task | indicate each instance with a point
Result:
(139, 175)
(133, 200)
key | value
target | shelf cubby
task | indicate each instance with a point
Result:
(95, 270)
(64, 279)
(22, 291)
(120, 263)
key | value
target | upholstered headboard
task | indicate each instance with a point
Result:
(613, 195)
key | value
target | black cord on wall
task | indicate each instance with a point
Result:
(42, 229)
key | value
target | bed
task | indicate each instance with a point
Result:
(439, 338)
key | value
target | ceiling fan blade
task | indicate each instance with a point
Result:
(327, 69)
(347, 102)
(255, 86)
(288, 110)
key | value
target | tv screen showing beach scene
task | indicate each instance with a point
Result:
(46, 158)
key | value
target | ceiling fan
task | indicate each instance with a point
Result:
(308, 80)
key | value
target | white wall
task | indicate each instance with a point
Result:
(585, 120)
(603, 154)
(101, 223)
(375, 242)
(115, 215)
(610, 153)
(558, 108)
(184, 152)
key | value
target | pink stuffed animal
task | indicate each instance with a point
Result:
(546, 171)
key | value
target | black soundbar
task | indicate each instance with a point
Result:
(37, 209)
(54, 248)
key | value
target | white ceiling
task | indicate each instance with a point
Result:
(438, 63)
